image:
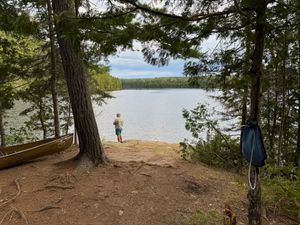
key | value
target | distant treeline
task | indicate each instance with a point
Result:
(101, 79)
(168, 82)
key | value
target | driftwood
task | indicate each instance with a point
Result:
(16, 181)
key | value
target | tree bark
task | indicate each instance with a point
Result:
(2, 130)
(297, 154)
(53, 70)
(274, 123)
(254, 196)
(91, 149)
(42, 121)
(243, 122)
(245, 89)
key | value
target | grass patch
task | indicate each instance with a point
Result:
(212, 217)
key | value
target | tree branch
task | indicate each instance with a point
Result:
(106, 17)
(196, 17)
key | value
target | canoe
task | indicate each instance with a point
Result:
(18, 154)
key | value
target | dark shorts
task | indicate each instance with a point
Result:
(118, 131)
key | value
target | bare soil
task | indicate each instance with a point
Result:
(146, 183)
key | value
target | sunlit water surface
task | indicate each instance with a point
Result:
(147, 114)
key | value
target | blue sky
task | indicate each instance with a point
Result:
(130, 64)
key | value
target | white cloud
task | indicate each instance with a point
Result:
(128, 58)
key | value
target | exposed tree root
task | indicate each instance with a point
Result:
(10, 213)
(145, 174)
(59, 187)
(16, 181)
(47, 208)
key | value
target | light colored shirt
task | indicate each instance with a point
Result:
(118, 122)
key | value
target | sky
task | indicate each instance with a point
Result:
(130, 64)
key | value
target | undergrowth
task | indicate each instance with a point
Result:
(200, 218)
(281, 190)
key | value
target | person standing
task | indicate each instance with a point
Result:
(118, 122)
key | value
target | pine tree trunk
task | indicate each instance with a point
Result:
(245, 86)
(297, 154)
(53, 71)
(2, 130)
(275, 115)
(91, 149)
(254, 196)
(243, 122)
(69, 118)
(42, 121)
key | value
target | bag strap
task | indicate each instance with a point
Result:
(252, 186)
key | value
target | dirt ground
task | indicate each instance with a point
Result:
(146, 183)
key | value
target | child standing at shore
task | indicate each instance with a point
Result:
(118, 127)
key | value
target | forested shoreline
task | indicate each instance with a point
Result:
(205, 82)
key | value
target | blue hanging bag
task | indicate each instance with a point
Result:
(252, 144)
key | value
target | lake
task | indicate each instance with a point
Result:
(151, 114)
(147, 114)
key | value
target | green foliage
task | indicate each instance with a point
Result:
(198, 120)
(200, 218)
(12, 18)
(161, 82)
(214, 152)
(217, 150)
(101, 80)
(282, 190)
(40, 111)
(7, 96)
(169, 82)
(20, 135)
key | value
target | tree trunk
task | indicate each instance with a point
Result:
(2, 130)
(91, 149)
(53, 71)
(69, 118)
(243, 122)
(297, 154)
(254, 196)
(42, 121)
(274, 123)
(245, 88)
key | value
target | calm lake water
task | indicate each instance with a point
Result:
(147, 114)
(151, 114)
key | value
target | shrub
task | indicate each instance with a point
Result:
(282, 190)
(218, 149)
